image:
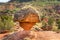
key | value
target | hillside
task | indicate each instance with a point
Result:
(48, 14)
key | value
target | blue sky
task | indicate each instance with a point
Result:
(4, 0)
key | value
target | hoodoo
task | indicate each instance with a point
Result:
(27, 18)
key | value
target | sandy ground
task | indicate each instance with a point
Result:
(34, 35)
(46, 35)
(3, 35)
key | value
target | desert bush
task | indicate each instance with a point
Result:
(50, 21)
(58, 23)
(6, 22)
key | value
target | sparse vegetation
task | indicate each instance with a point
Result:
(6, 22)
(49, 16)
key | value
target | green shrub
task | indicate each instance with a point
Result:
(50, 21)
(58, 22)
(6, 22)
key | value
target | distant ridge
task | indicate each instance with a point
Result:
(20, 0)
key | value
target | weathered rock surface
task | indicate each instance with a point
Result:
(34, 35)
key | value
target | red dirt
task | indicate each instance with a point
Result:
(3, 35)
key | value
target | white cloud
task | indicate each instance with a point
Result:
(4, 0)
